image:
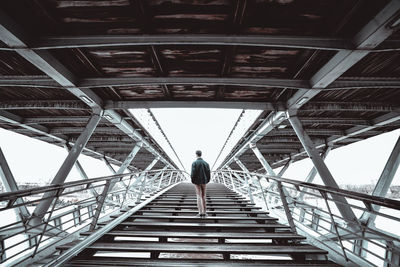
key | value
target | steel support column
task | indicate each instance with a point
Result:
(311, 175)
(65, 168)
(309, 179)
(108, 164)
(82, 172)
(284, 168)
(10, 185)
(262, 160)
(384, 182)
(380, 190)
(326, 176)
(129, 158)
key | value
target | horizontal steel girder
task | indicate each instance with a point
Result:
(15, 37)
(377, 30)
(43, 104)
(348, 134)
(369, 37)
(194, 104)
(323, 43)
(44, 131)
(93, 83)
(136, 104)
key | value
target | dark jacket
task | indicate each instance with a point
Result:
(200, 172)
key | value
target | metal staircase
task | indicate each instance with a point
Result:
(166, 232)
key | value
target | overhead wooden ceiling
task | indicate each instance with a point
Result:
(126, 54)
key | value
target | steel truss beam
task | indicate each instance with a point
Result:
(350, 133)
(58, 119)
(15, 37)
(248, 82)
(313, 172)
(272, 106)
(383, 184)
(370, 36)
(334, 120)
(349, 106)
(65, 168)
(193, 104)
(78, 130)
(262, 160)
(323, 43)
(342, 205)
(8, 181)
(44, 131)
(93, 83)
(39, 129)
(43, 104)
(82, 172)
(272, 120)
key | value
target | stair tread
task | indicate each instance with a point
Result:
(204, 225)
(107, 261)
(200, 247)
(193, 218)
(176, 234)
(209, 212)
(195, 206)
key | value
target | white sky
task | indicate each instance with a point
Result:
(204, 129)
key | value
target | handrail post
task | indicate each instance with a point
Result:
(161, 178)
(241, 165)
(233, 183)
(143, 184)
(170, 177)
(100, 202)
(323, 194)
(262, 191)
(286, 207)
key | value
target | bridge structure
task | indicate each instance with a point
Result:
(324, 73)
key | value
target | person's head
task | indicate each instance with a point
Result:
(198, 153)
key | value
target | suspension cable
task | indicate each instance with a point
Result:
(165, 136)
(229, 136)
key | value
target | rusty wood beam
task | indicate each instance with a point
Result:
(321, 43)
(237, 20)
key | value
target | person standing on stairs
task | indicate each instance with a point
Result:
(200, 177)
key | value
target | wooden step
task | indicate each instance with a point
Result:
(233, 226)
(223, 201)
(204, 235)
(209, 204)
(211, 213)
(208, 218)
(186, 247)
(201, 225)
(112, 261)
(225, 207)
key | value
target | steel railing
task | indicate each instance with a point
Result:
(76, 206)
(311, 209)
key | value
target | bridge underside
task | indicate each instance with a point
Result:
(324, 74)
(334, 62)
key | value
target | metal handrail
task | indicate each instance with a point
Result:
(43, 189)
(347, 240)
(381, 201)
(22, 240)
